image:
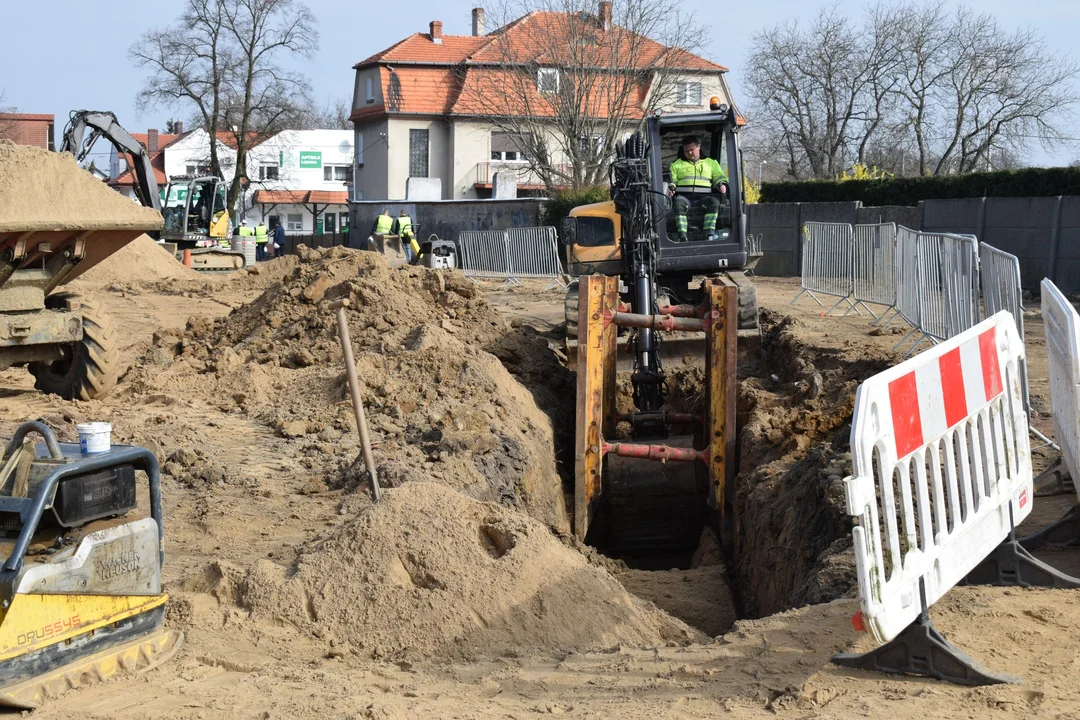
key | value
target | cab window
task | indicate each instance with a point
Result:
(595, 232)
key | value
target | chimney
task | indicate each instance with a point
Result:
(477, 22)
(436, 31)
(605, 14)
(151, 141)
(178, 127)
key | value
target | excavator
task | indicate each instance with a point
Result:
(647, 482)
(194, 208)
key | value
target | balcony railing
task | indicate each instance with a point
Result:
(526, 176)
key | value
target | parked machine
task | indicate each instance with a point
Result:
(438, 254)
(80, 588)
(193, 208)
(652, 493)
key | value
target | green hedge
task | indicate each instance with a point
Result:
(562, 202)
(1028, 182)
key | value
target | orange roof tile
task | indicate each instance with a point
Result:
(163, 139)
(127, 178)
(301, 197)
(419, 48)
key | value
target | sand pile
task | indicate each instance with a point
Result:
(441, 406)
(44, 190)
(430, 573)
(141, 260)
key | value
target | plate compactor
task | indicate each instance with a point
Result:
(80, 589)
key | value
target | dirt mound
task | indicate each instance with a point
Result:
(430, 573)
(48, 190)
(441, 406)
(141, 260)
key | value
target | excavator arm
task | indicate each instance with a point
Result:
(103, 124)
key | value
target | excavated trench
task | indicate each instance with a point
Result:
(791, 541)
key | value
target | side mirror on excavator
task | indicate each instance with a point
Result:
(568, 231)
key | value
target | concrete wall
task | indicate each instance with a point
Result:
(371, 176)
(446, 218)
(1043, 232)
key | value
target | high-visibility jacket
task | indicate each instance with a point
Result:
(404, 226)
(701, 176)
(384, 224)
(245, 231)
(261, 234)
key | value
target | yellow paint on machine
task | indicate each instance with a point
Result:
(136, 656)
(37, 621)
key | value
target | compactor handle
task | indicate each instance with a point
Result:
(43, 430)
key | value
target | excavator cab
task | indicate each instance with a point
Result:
(195, 211)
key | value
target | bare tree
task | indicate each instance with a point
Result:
(333, 115)
(6, 125)
(566, 84)
(916, 88)
(822, 92)
(225, 58)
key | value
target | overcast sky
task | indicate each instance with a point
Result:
(73, 54)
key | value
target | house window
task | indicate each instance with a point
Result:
(418, 153)
(294, 222)
(688, 93)
(344, 224)
(329, 223)
(547, 80)
(507, 147)
(189, 170)
(360, 149)
(338, 173)
(591, 145)
(268, 172)
(196, 170)
(370, 90)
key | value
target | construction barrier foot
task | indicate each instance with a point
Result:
(921, 650)
(1011, 565)
(1054, 480)
(1065, 531)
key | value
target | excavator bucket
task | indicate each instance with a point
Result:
(653, 495)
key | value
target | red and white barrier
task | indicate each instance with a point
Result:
(942, 471)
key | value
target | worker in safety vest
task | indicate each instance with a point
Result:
(244, 231)
(384, 224)
(408, 236)
(694, 180)
(261, 236)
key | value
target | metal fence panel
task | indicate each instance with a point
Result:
(484, 254)
(828, 253)
(874, 278)
(1062, 325)
(960, 276)
(907, 275)
(534, 253)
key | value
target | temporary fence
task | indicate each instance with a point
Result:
(511, 254)
(874, 268)
(942, 475)
(1062, 326)
(534, 253)
(828, 254)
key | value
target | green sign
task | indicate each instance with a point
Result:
(310, 159)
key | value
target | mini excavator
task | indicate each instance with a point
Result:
(80, 588)
(648, 481)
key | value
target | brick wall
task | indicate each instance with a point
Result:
(26, 129)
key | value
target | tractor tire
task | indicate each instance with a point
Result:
(570, 310)
(748, 305)
(90, 367)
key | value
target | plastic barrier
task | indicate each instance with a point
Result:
(874, 278)
(828, 255)
(534, 253)
(942, 474)
(1062, 326)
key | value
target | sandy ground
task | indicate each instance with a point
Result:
(237, 663)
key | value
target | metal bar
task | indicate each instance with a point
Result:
(683, 311)
(354, 392)
(655, 322)
(665, 416)
(42, 429)
(659, 453)
(590, 398)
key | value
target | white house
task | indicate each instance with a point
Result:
(300, 178)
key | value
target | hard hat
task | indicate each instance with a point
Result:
(243, 222)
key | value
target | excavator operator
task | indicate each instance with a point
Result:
(694, 180)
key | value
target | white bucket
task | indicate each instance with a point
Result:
(95, 437)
